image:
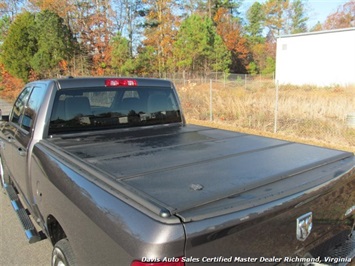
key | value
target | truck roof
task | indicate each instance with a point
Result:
(66, 83)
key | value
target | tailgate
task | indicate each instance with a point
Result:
(307, 227)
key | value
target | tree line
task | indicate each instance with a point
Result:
(47, 38)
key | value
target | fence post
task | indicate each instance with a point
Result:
(276, 106)
(224, 79)
(211, 106)
(245, 81)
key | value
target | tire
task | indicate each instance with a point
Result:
(62, 254)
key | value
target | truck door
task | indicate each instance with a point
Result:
(6, 144)
(23, 139)
(10, 132)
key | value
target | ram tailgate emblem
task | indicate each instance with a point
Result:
(304, 226)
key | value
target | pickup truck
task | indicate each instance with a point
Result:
(108, 170)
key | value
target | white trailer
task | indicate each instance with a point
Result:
(324, 58)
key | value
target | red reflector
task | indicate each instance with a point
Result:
(170, 262)
(120, 82)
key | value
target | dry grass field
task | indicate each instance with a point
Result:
(305, 114)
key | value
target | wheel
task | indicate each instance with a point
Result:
(62, 254)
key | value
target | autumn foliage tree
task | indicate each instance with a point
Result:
(10, 86)
(344, 17)
(275, 19)
(160, 29)
(62, 8)
(47, 38)
(231, 33)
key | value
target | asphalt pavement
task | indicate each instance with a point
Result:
(14, 246)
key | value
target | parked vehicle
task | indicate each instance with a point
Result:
(111, 174)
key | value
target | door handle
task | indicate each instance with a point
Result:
(22, 152)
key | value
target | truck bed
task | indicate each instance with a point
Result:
(197, 172)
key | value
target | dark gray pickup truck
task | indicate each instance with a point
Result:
(107, 169)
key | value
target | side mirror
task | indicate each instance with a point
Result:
(4, 118)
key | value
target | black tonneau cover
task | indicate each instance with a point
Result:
(197, 172)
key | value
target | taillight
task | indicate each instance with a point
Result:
(116, 82)
(160, 262)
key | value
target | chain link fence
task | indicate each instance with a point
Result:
(311, 114)
(186, 78)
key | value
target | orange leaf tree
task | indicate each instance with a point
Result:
(160, 31)
(230, 30)
(344, 17)
(10, 86)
